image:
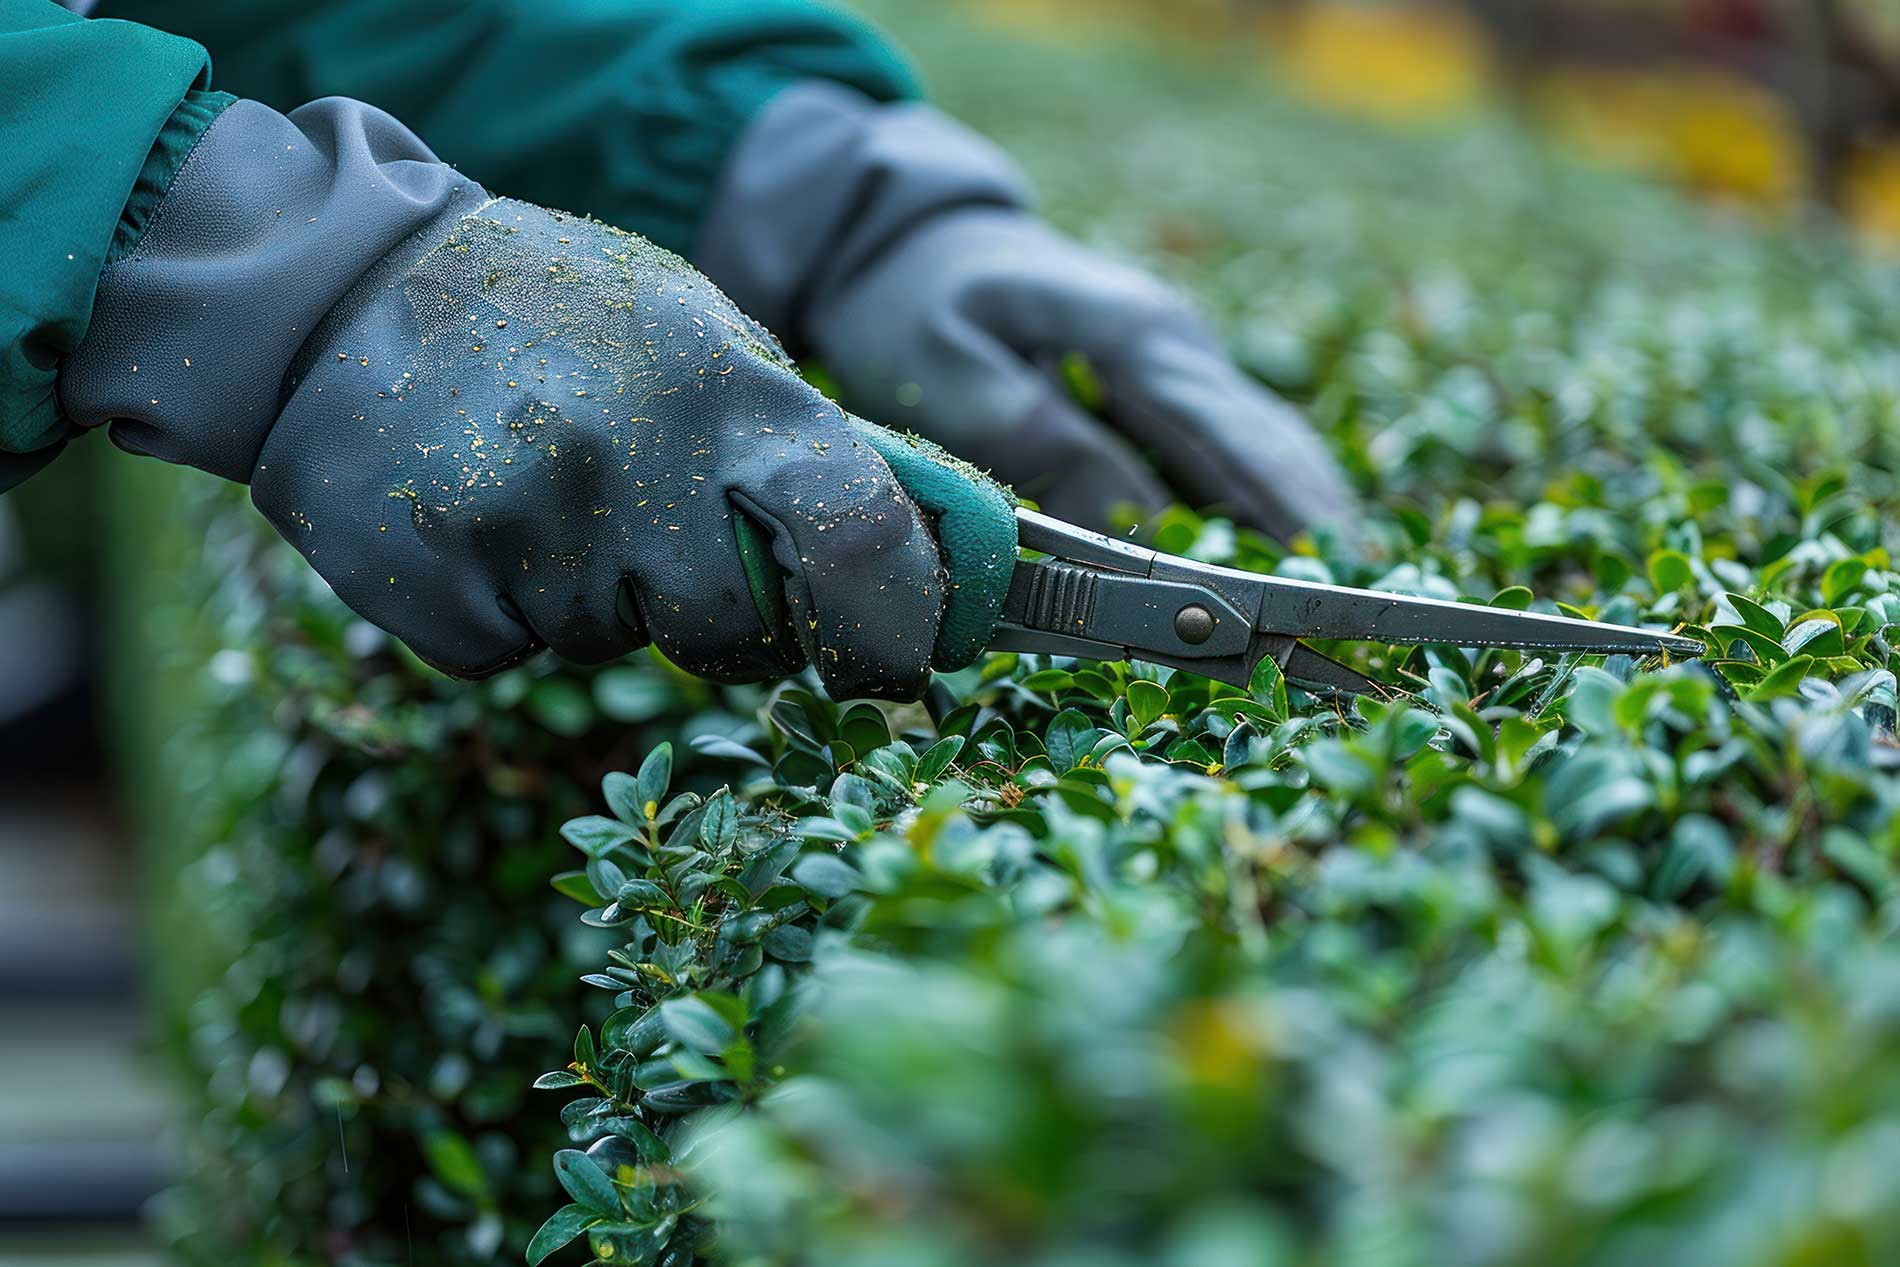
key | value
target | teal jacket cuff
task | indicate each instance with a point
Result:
(625, 111)
(97, 101)
(176, 140)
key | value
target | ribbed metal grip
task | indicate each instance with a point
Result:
(1061, 598)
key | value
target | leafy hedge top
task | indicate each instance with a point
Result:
(1571, 961)
(1102, 918)
(1587, 965)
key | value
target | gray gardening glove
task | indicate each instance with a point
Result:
(894, 245)
(493, 427)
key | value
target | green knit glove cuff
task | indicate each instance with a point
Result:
(975, 522)
(975, 519)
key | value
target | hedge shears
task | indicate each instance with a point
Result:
(1086, 595)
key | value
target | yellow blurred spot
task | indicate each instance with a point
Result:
(1059, 21)
(1718, 134)
(1388, 63)
(1220, 1045)
(1870, 192)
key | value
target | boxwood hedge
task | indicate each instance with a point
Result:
(1561, 962)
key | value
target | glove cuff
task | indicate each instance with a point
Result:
(824, 180)
(268, 222)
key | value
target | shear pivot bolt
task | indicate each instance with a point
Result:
(1194, 624)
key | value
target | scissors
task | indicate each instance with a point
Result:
(1096, 598)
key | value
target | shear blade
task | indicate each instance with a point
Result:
(1305, 667)
(1306, 609)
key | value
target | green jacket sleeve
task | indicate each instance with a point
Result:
(621, 109)
(91, 129)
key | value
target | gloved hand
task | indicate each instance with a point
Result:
(894, 245)
(493, 427)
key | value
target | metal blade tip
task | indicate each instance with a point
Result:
(1676, 644)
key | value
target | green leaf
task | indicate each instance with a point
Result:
(1595, 788)
(1699, 848)
(585, 1182)
(1592, 703)
(1842, 578)
(576, 885)
(892, 768)
(727, 749)
(932, 765)
(719, 824)
(656, 773)
(558, 1079)
(605, 876)
(1267, 686)
(1670, 570)
(632, 694)
(622, 795)
(855, 818)
(696, 1024)
(650, 1147)
(1784, 680)
(1766, 650)
(1612, 571)
(1147, 701)
(1191, 752)
(631, 1243)
(1513, 598)
(1339, 769)
(642, 895)
(827, 875)
(789, 943)
(693, 1066)
(635, 1029)
(1413, 729)
(584, 1046)
(1756, 617)
(727, 1004)
(1818, 635)
(562, 1226)
(1857, 859)
(794, 721)
(849, 789)
(594, 835)
(1068, 740)
(863, 727)
(454, 1162)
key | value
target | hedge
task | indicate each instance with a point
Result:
(1106, 965)
(1572, 961)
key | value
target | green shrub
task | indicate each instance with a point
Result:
(366, 963)
(1584, 967)
(1110, 964)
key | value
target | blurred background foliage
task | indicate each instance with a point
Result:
(1769, 104)
(1630, 1004)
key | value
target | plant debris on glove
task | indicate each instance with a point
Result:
(518, 428)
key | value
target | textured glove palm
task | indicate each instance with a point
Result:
(513, 427)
